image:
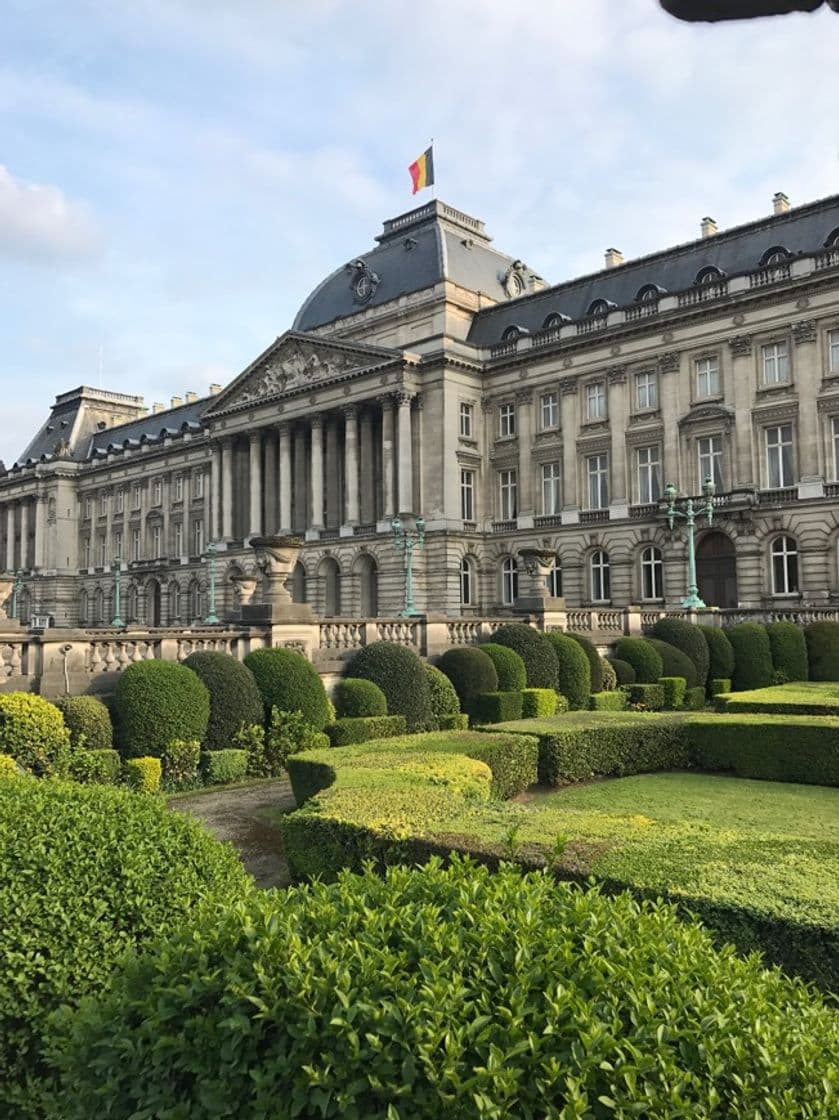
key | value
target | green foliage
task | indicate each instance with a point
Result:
(97, 767)
(688, 638)
(775, 748)
(220, 767)
(720, 685)
(608, 701)
(694, 699)
(471, 672)
(289, 681)
(32, 731)
(608, 676)
(496, 707)
(720, 652)
(537, 654)
(114, 872)
(676, 663)
(143, 775)
(88, 721)
(573, 669)
(803, 698)
(674, 692)
(400, 675)
(623, 671)
(313, 999)
(538, 703)
(643, 657)
(8, 767)
(156, 702)
(752, 656)
(180, 763)
(288, 733)
(822, 640)
(590, 650)
(459, 721)
(789, 651)
(645, 697)
(512, 674)
(235, 701)
(354, 696)
(359, 729)
(251, 740)
(442, 697)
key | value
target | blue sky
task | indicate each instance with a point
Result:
(177, 175)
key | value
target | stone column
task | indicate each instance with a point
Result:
(40, 529)
(406, 457)
(166, 511)
(351, 504)
(618, 421)
(300, 512)
(255, 485)
(10, 536)
(227, 489)
(332, 519)
(214, 524)
(270, 480)
(524, 429)
(24, 534)
(669, 364)
(367, 497)
(806, 370)
(570, 423)
(388, 504)
(316, 469)
(284, 465)
(738, 465)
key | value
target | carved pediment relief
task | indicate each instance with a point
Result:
(701, 413)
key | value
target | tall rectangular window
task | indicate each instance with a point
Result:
(710, 461)
(467, 416)
(551, 489)
(197, 537)
(507, 420)
(833, 351)
(120, 500)
(596, 400)
(649, 474)
(508, 486)
(598, 481)
(88, 507)
(135, 544)
(157, 492)
(118, 545)
(549, 410)
(775, 362)
(467, 495)
(87, 554)
(646, 390)
(707, 377)
(102, 548)
(179, 488)
(178, 539)
(779, 469)
(198, 484)
(835, 427)
(156, 542)
(136, 495)
(103, 503)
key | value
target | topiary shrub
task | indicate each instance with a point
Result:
(471, 672)
(694, 700)
(114, 872)
(752, 656)
(457, 722)
(720, 685)
(788, 648)
(623, 671)
(538, 703)
(512, 675)
(251, 740)
(156, 702)
(720, 652)
(95, 767)
(143, 775)
(688, 638)
(359, 729)
(400, 675)
(88, 721)
(675, 663)
(608, 676)
(608, 701)
(289, 681)
(573, 669)
(645, 697)
(220, 767)
(590, 650)
(235, 700)
(643, 657)
(674, 692)
(822, 640)
(441, 695)
(180, 763)
(32, 731)
(354, 696)
(288, 733)
(496, 707)
(536, 653)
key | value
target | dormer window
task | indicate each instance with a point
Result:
(511, 334)
(832, 241)
(599, 309)
(708, 275)
(774, 256)
(650, 293)
(554, 321)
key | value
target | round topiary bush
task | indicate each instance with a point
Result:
(822, 640)
(235, 701)
(590, 650)
(354, 696)
(512, 675)
(789, 652)
(720, 653)
(573, 670)
(471, 672)
(441, 693)
(608, 676)
(113, 872)
(33, 732)
(690, 640)
(536, 653)
(88, 721)
(752, 656)
(675, 662)
(642, 656)
(289, 682)
(399, 673)
(526, 1032)
(623, 671)
(156, 702)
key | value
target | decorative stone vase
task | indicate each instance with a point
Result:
(245, 588)
(276, 558)
(7, 585)
(537, 563)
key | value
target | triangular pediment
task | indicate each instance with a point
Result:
(294, 363)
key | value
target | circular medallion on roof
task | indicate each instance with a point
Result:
(363, 281)
(513, 280)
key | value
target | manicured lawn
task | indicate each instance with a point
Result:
(799, 697)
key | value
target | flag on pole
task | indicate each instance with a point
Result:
(422, 170)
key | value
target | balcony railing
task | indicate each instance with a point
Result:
(771, 275)
(548, 521)
(703, 294)
(593, 516)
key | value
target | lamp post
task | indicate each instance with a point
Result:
(689, 514)
(405, 541)
(116, 571)
(17, 587)
(210, 557)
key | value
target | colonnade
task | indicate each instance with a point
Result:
(23, 527)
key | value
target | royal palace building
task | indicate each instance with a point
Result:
(435, 377)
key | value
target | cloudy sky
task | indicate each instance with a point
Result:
(177, 175)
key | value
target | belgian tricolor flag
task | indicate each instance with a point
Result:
(422, 170)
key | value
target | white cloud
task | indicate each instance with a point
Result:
(38, 223)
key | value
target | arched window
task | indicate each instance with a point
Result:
(468, 590)
(84, 608)
(650, 293)
(832, 241)
(331, 575)
(99, 606)
(298, 583)
(368, 585)
(652, 574)
(555, 320)
(553, 580)
(601, 590)
(599, 308)
(784, 566)
(774, 256)
(708, 275)
(511, 334)
(131, 604)
(509, 581)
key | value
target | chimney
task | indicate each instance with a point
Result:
(176, 402)
(190, 397)
(708, 227)
(780, 203)
(158, 406)
(215, 389)
(613, 258)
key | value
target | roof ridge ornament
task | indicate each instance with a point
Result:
(363, 281)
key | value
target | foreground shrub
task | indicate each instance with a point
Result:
(8, 767)
(143, 775)
(536, 653)
(573, 669)
(471, 672)
(289, 681)
(690, 640)
(113, 871)
(608, 701)
(442, 698)
(674, 692)
(646, 697)
(32, 731)
(496, 707)
(180, 763)
(359, 729)
(539, 703)
(235, 700)
(512, 675)
(95, 767)
(594, 660)
(676, 663)
(752, 656)
(88, 721)
(608, 676)
(289, 733)
(623, 671)
(251, 740)
(400, 675)
(156, 702)
(220, 767)
(720, 652)
(643, 657)
(354, 696)
(789, 652)
(822, 640)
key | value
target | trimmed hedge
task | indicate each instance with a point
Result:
(96, 767)
(354, 696)
(32, 731)
(774, 748)
(156, 702)
(143, 774)
(458, 721)
(87, 716)
(788, 649)
(752, 656)
(220, 767)
(594, 660)
(400, 675)
(720, 685)
(822, 640)
(802, 698)
(496, 707)
(573, 669)
(694, 699)
(512, 675)
(642, 656)
(623, 671)
(608, 701)
(442, 698)
(537, 654)
(676, 663)
(649, 696)
(720, 652)
(539, 703)
(471, 672)
(289, 682)
(690, 640)
(674, 692)
(358, 729)
(235, 700)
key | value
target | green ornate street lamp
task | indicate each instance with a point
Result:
(405, 541)
(17, 587)
(689, 515)
(210, 556)
(116, 571)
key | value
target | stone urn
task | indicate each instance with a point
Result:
(245, 588)
(537, 563)
(276, 558)
(7, 585)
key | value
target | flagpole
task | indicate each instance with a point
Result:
(435, 169)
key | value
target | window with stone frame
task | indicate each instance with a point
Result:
(118, 545)
(87, 553)
(551, 489)
(467, 495)
(707, 376)
(102, 551)
(197, 537)
(178, 488)
(648, 466)
(775, 362)
(468, 587)
(120, 500)
(157, 492)
(135, 544)
(600, 579)
(508, 494)
(553, 580)
(507, 420)
(509, 581)
(784, 559)
(834, 432)
(597, 472)
(710, 461)
(136, 496)
(178, 539)
(198, 484)
(780, 470)
(549, 410)
(595, 396)
(156, 542)
(646, 390)
(467, 420)
(652, 573)
(833, 351)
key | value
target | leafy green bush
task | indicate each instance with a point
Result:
(674, 692)
(590, 650)
(694, 700)
(573, 669)
(97, 767)
(822, 640)
(442, 698)
(537, 654)
(720, 652)
(289, 733)
(289, 681)
(359, 729)
(88, 721)
(538, 703)
(688, 638)
(775, 748)
(646, 697)
(789, 651)
(608, 701)
(143, 774)
(156, 702)
(720, 685)
(512, 675)
(8, 767)
(113, 871)
(400, 675)
(676, 663)
(608, 676)
(220, 767)
(354, 696)
(752, 656)
(458, 721)
(251, 740)
(623, 671)
(180, 763)
(32, 731)
(471, 672)
(643, 657)
(235, 700)
(496, 707)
